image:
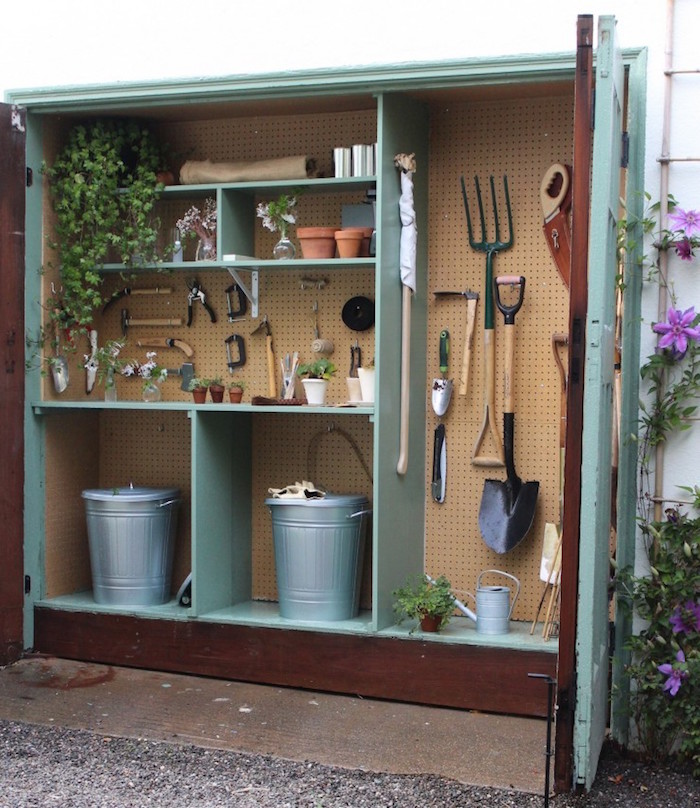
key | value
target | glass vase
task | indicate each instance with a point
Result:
(206, 249)
(284, 249)
(110, 386)
(151, 392)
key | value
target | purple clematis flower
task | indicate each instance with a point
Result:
(685, 618)
(675, 675)
(684, 249)
(677, 331)
(686, 220)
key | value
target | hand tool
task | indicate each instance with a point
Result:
(490, 248)
(235, 339)
(472, 299)
(167, 342)
(130, 291)
(355, 360)
(59, 365)
(238, 313)
(264, 328)
(508, 507)
(197, 293)
(91, 362)
(555, 198)
(442, 388)
(186, 371)
(127, 321)
(439, 464)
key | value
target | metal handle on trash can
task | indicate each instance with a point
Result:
(168, 502)
(358, 513)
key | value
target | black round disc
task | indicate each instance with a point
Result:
(358, 313)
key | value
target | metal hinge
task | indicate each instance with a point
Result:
(625, 155)
(30, 177)
(593, 108)
(27, 584)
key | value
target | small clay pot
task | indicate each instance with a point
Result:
(366, 239)
(349, 242)
(199, 394)
(430, 622)
(317, 242)
(235, 394)
(217, 393)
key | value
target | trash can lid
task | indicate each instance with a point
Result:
(329, 501)
(128, 493)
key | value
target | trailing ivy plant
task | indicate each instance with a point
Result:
(103, 187)
(664, 672)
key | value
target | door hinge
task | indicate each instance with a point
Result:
(625, 155)
(593, 109)
(27, 584)
(30, 177)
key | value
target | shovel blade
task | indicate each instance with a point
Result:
(505, 517)
(442, 392)
(59, 372)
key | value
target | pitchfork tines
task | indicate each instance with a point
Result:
(484, 245)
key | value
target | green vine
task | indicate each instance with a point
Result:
(103, 187)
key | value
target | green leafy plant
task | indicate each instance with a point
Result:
(319, 369)
(198, 383)
(237, 385)
(420, 597)
(279, 213)
(103, 187)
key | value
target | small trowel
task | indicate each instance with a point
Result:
(442, 388)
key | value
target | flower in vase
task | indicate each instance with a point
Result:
(149, 371)
(278, 214)
(201, 224)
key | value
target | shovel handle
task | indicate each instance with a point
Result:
(489, 422)
(468, 338)
(271, 375)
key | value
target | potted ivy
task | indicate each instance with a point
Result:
(429, 602)
(104, 187)
(315, 377)
(235, 391)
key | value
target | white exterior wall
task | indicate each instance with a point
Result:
(49, 44)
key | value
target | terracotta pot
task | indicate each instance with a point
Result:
(217, 393)
(366, 238)
(430, 622)
(349, 242)
(199, 394)
(317, 242)
(235, 395)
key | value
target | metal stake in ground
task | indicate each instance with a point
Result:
(548, 752)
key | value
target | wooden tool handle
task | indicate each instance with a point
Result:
(489, 422)
(467, 355)
(168, 321)
(157, 290)
(271, 376)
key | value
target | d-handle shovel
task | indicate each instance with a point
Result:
(508, 508)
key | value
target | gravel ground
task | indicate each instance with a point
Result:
(51, 766)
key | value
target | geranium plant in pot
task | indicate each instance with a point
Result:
(429, 602)
(315, 377)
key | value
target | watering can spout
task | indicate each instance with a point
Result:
(458, 604)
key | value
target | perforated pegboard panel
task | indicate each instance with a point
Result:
(520, 139)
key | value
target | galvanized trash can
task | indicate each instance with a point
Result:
(319, 549)
(131, 533)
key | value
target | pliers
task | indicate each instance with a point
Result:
(197, 293)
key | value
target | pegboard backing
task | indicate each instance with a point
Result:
(520, 139)
(319, 448)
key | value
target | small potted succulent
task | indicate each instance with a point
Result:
(198, 387)
(216, 388)
(429, 602)
(315, 377)
(235, 391)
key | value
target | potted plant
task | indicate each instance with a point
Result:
(366, 377)
(315, 377)
(429, 602)
(104, 186)
(198, 387)
(235, 391)
(276, 216)
(216, 388)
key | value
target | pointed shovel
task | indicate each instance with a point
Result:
(508, 507)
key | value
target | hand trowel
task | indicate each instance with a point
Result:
(441, 394)
(59, 366)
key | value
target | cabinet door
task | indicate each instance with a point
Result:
(12, 182)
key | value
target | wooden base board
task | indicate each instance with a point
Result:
(411, 670)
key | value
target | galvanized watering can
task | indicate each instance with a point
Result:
(493, 605)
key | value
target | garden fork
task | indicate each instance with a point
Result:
(490, 248)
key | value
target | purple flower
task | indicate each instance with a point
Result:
(675, 675)
(677, 331)
(686, 618)
(686, 220)
(684, 249)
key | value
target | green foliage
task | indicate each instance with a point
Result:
(420, 597)
(104, 188)
(239, 384)
(320, 369)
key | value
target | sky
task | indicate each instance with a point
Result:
(49, 43)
